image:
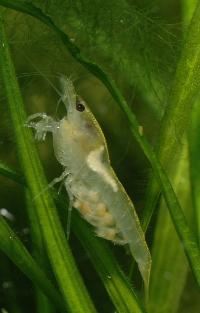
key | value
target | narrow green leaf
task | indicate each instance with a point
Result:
(43, 304)
(72, 287)
(10, 173)
(115, 282)
(188, 7)
(194, 153)
(180, 96)
(169, 264)
(15, 250)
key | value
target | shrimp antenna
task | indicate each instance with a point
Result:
(45, 77)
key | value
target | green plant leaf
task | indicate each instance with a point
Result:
(10, 173)
(169, 264)
(194, 150)
(15, 250)
(69, 280)
(188, 7)
(43, 304)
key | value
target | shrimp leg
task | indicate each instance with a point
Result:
(44, 125)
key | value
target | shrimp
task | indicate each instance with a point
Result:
(93, 187)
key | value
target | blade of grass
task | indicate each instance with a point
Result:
(15, 250)
(180, 94)
(10, 173)
(69, 280)
(118, 287)
(188, 7)
(194, 154)
(43, 304)
(170, 266)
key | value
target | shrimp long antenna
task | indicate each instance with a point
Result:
(44, 76)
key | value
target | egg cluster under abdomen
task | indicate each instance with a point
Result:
(97, 214)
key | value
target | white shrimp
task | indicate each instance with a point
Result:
(90, 181)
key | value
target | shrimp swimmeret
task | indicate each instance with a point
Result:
(90, 181)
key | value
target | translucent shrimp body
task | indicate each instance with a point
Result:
(90, 181)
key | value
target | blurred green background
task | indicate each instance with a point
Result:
(138, 44)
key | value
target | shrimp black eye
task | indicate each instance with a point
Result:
(80, 107)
